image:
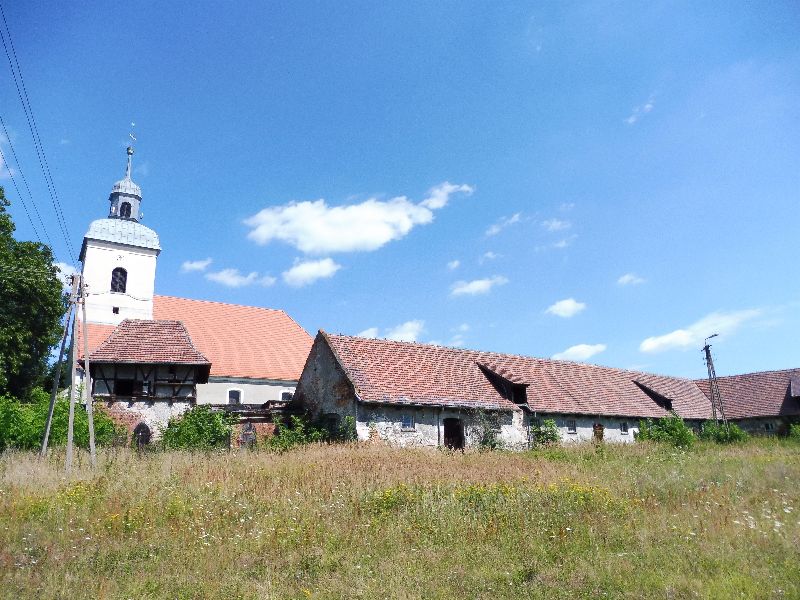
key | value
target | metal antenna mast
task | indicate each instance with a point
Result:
(716, 395)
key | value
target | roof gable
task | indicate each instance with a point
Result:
(150, 342)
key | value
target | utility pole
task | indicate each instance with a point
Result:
(57, 379)
(87, 379)
(77, 284)
(713, 384)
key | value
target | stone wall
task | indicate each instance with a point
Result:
(324, 389)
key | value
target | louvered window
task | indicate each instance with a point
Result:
(125, 210)
(119, 280)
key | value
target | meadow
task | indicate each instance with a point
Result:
(367, 521)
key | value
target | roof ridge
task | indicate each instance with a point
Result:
(750, 373)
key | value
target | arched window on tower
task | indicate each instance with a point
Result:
(125, 210)
(119, 280)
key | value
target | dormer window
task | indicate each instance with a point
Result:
(119, 280)
(125, 210)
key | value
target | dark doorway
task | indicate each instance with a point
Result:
(598, 430)
(141, 436)
(454, 434)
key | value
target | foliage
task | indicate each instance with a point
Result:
(671, 430)
(485, 429)
(199, 428)
(33, 303)
(794, 431)
(545, 433)
(715, 432)
(300, 431)
(22, 423)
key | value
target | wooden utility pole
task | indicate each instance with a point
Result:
(57, 379)
(87, 380)
(77, 283)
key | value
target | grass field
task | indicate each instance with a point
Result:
(637, 521)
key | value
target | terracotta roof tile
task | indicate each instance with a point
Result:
(152, 342)
(764, 394)
(240, 341)
(400, 373)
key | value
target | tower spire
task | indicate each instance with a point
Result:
(130, 159)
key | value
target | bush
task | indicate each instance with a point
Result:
(794, 432)
(22, 423)
(485, 429)
(545, 434)
(199, 428)
(671, 430)
(300, 430)
(715, 432)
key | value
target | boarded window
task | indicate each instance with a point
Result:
(119, 280)
(125, 210)
(234, 397)
(408, 422)
(572, 426)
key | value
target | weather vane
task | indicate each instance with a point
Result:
(131, 134)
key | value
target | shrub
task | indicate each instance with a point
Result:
(671, 430)
(714, 432)
(297, 432)
(486, 429)
(22, 423)
(199, 428)
(794, 432)
(545, 433)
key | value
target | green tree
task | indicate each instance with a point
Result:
(32, 304)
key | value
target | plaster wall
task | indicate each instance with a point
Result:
(154, 413)
(100, 260)
(585, 427)
(252, 391)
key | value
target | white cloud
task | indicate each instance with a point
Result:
(477, 286)
(561, 244)
(371, 332)
(65, 275)
(316, 228)
(630, 279)
(195, 265)
(439, 196)
(556, 225)
(453, 264)
(406, 332)
(693, 335)
(232, 278)
(305, 272)
(566, 308)
(639, 111)
(503, 223)
(489, 256)
(464, 327)
(580, 352)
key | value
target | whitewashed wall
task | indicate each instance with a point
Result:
(253, 391)
(137, 301)
(585, 428)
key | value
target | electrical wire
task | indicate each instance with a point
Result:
(24, 204)
(22, 93)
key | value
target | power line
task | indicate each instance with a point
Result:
(22, 93)
(24, 205)
(25, 181)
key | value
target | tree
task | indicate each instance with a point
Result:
(32, 306)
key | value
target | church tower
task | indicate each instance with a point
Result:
(119, 258)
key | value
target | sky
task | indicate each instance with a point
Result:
(601, 181)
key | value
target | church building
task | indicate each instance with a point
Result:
(152, 357)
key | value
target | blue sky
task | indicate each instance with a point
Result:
(602, 181)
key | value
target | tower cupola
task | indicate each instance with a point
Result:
(126, 196)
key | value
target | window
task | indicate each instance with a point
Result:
(123, 387)
(407, 422)
(119, 280)
(286, 396)
(769, 426)
(125, 210)
(234, 396)
(623, 428)
(572, 426)
(115, 310)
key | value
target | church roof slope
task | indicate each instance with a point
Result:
(384, 371)
(150, 342)
(241, 341)
(764, 394)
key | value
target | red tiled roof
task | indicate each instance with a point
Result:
(403, 373)
(240, 341)
(764, 394)
(152, 342)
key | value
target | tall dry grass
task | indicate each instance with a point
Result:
(374, 522)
